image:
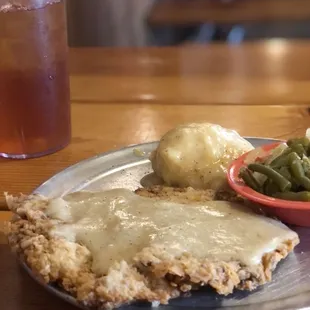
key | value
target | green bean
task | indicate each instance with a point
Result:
(295, 165)
(281, 160)
(305, 182)
(301, 146)
(300, 196)
(304, 141)
(270, 188)
(306, 160)
(285, 172)
(289, 142)
(277, 178)
(297, 170)
(266, 183)
(306, 165)
(248, 178)
(299, 149)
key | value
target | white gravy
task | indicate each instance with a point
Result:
(117, 224)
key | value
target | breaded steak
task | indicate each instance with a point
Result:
(154, 275)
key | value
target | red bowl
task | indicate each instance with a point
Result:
(291, 212)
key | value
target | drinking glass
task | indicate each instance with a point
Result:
(34, 80)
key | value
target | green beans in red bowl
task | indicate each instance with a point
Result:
(277, 176)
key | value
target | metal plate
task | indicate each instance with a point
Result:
(290, 287)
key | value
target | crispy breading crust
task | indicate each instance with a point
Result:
(155, 275)
(187, 195)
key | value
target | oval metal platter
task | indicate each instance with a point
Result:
(289, 289)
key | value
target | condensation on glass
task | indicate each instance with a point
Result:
(34, 80)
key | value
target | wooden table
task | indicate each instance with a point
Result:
(188, 12)
(121, 97)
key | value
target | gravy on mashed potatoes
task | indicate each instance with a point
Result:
(197, 155)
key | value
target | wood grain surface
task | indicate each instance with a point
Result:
(186, 12)
(242, 88)
(267, 72)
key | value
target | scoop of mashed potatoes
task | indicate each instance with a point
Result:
(197, 155)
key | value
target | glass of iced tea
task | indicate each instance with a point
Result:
(34, 80)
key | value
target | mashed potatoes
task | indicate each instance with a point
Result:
(197, 155)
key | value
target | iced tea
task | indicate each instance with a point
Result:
(34, 83)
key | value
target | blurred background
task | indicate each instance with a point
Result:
(173, 22)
